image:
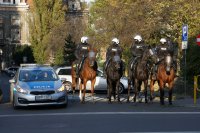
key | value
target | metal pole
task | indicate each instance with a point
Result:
(185, 74)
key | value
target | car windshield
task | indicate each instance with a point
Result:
(37, 75)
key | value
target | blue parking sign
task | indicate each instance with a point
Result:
(185, 32)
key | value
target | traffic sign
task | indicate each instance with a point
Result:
(185, 32)
(184, 44)
(198, 40)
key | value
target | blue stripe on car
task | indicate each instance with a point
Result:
(41, 85)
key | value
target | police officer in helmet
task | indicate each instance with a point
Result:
(137, 49)
(81, 53)
(112, 49)
(161, 50)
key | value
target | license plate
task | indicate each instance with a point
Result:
(43, 97)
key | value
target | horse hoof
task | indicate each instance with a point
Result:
(128, 101)
(146, 100)
(109, 102)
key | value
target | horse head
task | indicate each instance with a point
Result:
(168, 62)
(92, 57)
(116, 61)
(148, 53)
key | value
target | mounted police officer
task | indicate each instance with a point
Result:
(162, 50)
(113, 49)
(137, 49)
(81, 53)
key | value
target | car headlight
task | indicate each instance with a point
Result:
(61, 89)
(20, 90)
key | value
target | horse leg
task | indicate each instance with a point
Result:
(129, 88)
(145, 90)
(80, 92)
(152, 89)
(117, 88)
(92, 88)
(109, 89)
(136, 90)
(114, 89)
(73, 85)
(139, 91)
(161, 84)
(84, 90)
(170, 92)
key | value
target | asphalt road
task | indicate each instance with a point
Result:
(98, 117)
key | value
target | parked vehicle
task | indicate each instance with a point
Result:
(37, 85)
(101, 83)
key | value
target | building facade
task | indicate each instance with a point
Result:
(13, 28)
(77, 16)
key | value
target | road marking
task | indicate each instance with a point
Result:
(166, 132)
(101, 113)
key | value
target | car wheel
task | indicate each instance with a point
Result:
(121, 88)
(66, 104)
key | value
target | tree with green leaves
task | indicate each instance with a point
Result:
(22, 52)
(152, 19)
(69, 49)
(46, 17)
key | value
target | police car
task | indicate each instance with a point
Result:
(35, 84)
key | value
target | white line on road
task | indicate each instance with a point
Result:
(166, 132)
(101, 113)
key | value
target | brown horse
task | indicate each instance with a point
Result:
(114, 72)
(165, 74)
(87, 72)
(140, 74)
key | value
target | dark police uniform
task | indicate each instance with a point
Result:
(81, 53)
(112, 51)
(137, 50)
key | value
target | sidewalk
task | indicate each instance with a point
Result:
(187, 102)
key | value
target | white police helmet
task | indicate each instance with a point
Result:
(115, 40)
(163, 40)
(138, 38)
(84, 39)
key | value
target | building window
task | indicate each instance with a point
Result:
(15, 35)
(1, 33)
(6, 1)
(15, 20)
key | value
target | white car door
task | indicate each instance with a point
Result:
(101, 83)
